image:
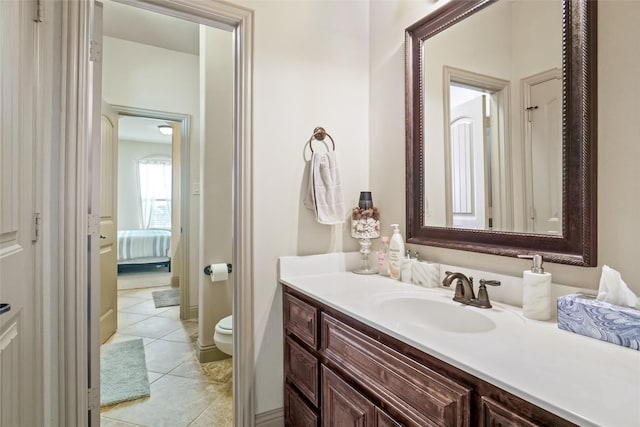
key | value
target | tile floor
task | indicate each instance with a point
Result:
(183, 391)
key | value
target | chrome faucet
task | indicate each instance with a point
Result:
(464, 289)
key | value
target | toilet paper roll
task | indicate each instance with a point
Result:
(219, 272)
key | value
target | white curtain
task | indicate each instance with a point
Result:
(154, 192)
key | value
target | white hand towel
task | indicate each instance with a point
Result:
(613, 289)
(324, 194)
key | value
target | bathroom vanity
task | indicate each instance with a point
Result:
(371, 351)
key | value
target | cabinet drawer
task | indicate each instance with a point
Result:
(301, 320)
(301, 368)
(296, 411)
(427, 398)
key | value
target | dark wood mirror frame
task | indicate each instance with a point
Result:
(578, 243)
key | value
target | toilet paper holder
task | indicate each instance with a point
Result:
(207, 269)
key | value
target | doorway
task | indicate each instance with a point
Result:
(238, 22)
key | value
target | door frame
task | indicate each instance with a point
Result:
(186, 311)
(75, 22)
(501, 169)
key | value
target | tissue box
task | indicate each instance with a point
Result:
(426, 274)
(584, 315)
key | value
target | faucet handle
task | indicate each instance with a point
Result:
(483, 296)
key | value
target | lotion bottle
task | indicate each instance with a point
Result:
(396, 253)
(536, 290)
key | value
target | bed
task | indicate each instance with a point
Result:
(144, 247)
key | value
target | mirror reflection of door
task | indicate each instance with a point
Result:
(477, 168)
(543, 152)
(469, 149)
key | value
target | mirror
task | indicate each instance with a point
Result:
(501, 128)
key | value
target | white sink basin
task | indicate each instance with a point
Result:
(419, 311)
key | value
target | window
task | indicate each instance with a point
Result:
(154, 190)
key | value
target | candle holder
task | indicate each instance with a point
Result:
(365, 225)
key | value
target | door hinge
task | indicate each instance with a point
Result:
(95, 51)
(93, 225)
(38, 16)
(35, 227)
(93, 399)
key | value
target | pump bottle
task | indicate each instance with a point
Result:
(396, 253)
(536, 290)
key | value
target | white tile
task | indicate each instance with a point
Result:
(118, 337)
(154, 376)
(127, 301)
(108, 422)
(128, 319)
(152, 327)
(174, 402)
(147, 307)
(164, 356)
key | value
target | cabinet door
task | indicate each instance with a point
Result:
(296, 411)
(494, 414)
(342, 405)
(384, 420)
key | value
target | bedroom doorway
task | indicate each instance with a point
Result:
(143, 165)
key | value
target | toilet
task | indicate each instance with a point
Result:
(223, 335)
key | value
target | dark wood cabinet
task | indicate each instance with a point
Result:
(494, 414)
(384, 420)
(342, 405)
(297, 412)
(302, 370)
(341, 372)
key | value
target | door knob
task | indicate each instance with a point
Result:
(4, 307)
(102, 236)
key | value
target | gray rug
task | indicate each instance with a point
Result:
(167, 298)
(123, 372)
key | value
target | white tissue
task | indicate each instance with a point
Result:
(613, 289)
(219, 272)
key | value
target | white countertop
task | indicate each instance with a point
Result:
(584, 380)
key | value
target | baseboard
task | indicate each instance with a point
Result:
(273, 418)
(193, 312)
(209, 353)
(175, 281)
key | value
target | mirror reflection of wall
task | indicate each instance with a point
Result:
(502, 172)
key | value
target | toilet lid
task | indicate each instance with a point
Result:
(226, 323)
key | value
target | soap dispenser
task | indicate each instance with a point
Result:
(396, 253)
(536, 290)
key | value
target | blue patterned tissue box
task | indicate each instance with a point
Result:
(584, 315)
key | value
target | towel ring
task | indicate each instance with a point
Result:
(320, 134)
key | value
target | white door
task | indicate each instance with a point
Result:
(19, 394)
(468, 167)
(545, 157)
(108, 222)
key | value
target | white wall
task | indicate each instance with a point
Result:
(128, 153)
(618, 174)
(142, 76)
(216, 170)
(311, 68)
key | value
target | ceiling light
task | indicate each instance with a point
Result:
(165, 129)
